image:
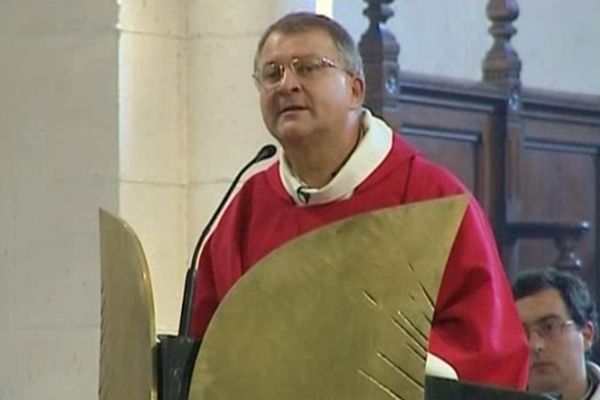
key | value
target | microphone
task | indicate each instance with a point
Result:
(264, 153)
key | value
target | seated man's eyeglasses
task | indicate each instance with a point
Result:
(271, 74)
(547, 328)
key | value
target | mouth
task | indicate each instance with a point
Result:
(292, 108)
(540, 365)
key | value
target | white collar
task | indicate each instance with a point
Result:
(368, 155)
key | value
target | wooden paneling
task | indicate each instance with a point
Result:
(559, 179)
(454, 129)
(559, 183)
(531, 156)
(463, 126)
(458, 151)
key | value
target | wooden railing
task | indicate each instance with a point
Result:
(513, 146)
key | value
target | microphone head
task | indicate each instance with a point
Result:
(267, 151)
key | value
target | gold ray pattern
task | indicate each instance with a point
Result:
(343, 312)
(128, 336)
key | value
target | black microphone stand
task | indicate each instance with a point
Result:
(177, 354)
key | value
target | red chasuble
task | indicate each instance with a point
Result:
(475, 330)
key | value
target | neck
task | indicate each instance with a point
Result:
(577, 389)
(315, 161)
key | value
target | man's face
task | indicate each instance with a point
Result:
(557, 346)
(299, 107)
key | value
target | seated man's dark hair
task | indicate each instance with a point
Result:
(572, 289)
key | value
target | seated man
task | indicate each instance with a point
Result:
(339, 160)
(559, 317)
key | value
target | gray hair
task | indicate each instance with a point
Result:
(304, 22)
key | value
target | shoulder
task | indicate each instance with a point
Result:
(246, 201)
(427, 179)
(593, 368)
(412, 175)
(429, 175)
(258, 187)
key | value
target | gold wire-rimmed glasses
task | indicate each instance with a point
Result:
(304, 68)
(547, 328)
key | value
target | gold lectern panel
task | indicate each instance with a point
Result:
(128, 334)
(343, 312)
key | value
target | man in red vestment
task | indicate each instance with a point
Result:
(339, 160)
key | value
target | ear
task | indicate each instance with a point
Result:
(588, 333)
(357, 92)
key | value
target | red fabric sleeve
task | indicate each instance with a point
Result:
(476, 328)
(219, 266)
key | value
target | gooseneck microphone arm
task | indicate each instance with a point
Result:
(265, 152)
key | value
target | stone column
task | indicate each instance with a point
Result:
(58, 164)
(226, 128)
(189, 119)
(153, 106)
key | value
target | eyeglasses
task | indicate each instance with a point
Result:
(304, 68)
(548, 328)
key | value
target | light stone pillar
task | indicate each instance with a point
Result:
(152, 140)
(189, 119)
(58, 164)
(226, 128)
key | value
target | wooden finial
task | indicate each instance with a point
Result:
(501, 65)
(379, 51)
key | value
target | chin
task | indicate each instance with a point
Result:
(292, 133)
(543, 385)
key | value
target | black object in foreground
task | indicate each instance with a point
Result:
(447, 389)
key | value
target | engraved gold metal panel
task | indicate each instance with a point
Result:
(128, 334)
(342, 312)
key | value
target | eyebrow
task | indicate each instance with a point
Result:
(308, 55)
(547, 317)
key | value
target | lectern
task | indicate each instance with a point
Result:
(306, 322)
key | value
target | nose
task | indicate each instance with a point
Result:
(289, 80)
(536, 342)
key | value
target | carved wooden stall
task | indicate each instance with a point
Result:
(529, 155)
